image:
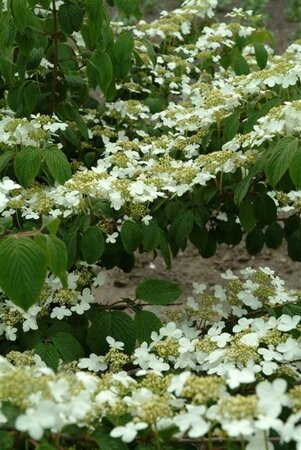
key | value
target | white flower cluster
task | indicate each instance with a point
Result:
(56, 302)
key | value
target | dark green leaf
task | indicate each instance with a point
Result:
(164, 249)
(294, 246)
(48, 354)
(151, 236)
(131, 236)
(27, 165)
(106, 442)
(70, 16)
(6, 440)
(56, 252)
(246, 215)
(231, 126)
(126, 6)
(57, 164)
(255, 241)
(19, 12)
(92, 244)
(123, 47)
(30, 97)
(145, 323)
(273, 235)
(117, 324)
(158, 292)
(23, 268)
(240, 65)
(261, 55)
(67, 346)
(180, 228)
(100, 71)
(295, 168)
(265, 209)
(279, 159)
(5, 158)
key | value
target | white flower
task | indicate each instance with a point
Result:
(35, 420)
(146, 219)
(243, 427)
(274, 394)
(94, 363)
(287, 323)
(178, 382)
(128, 432)
(171, 331)
(11, 333)
(59, 312)
(100, 279)
(81, 307)
(111, 238)
(114, 344)
(198, 288)
(236, 377)
(192, 421)
(222, 339)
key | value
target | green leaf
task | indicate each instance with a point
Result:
(30, 97)
(279, 158)
(44, 445)
(126, 6)
(231, 126)
(106, 442)
(49, 355)
(51, 223)
(151, 236)
(27, 165)
(7, 69)
(273, 235)
(5, 158)
(100, 71)
(56, 252)
(131, 236)
(70, 17)
(69, 347)
(19, 13)
(180, 228)
(240, 65)
(150, 51)
(6, 440)
(261, 55)
(295, 168)
(23, 268)
(242, 187)
(158, 292)
(265, 209)
(209, 249)
(123, 47)
(255, 241)
(92, 244)
(246, 215)
(117, 324)
(57, 164)
(70, 239)
(294, 245)
(164, 249)
(145, 323)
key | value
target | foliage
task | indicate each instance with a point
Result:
(143, 137)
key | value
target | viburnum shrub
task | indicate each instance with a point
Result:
(117, 139)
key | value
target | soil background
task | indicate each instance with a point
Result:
(189, 266)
